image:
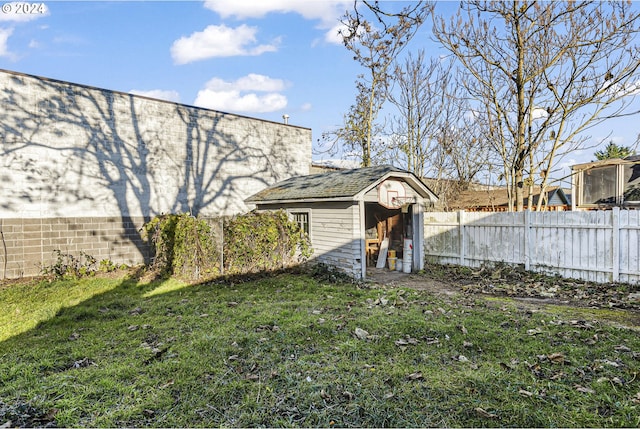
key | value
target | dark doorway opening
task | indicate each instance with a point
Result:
(381, 222)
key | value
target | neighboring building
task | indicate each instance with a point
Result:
(83, 168)
(319, 169)
(607, 183)
(497, 200)
(349, 213)
(326, 165)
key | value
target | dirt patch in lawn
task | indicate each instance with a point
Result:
(616, 303)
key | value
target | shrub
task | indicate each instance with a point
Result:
(263, 241)
(184, 246)
(189, 248)
(68, 265)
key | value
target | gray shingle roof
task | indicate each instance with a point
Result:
(334, 184)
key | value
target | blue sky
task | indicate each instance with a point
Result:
(260, 58)
(282, 58)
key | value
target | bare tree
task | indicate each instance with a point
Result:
(433, 132)
(543, 74)
(420, 97)
(375, 42)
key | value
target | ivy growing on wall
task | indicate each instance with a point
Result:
(184, 246)
(192, 248)
(263, 241)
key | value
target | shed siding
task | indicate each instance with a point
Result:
(372, 194)
(334, 233)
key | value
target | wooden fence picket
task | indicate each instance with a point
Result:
(600, 246)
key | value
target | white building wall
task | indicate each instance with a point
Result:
(70, 150)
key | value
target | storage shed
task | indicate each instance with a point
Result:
(354, 216)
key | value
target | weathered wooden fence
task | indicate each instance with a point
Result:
(599, 246)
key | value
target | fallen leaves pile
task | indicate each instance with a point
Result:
(506, 280)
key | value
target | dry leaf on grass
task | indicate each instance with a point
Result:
(406, 341)
(83, 363)
(557, 357)
(136, 311)
(583, 389)
(361, 334)
(415, 376)
(167, 384)
(348, 395)
(381, 301)
(505, 366)
(487, 415)
(525, 393)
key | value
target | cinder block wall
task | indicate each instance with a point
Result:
(30, 243)
(77, 155)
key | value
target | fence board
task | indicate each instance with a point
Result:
(600, 246)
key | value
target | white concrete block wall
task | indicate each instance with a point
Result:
(70, 150)
(81, 168)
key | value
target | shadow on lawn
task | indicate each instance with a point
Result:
(125, 327)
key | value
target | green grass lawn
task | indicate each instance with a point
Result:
(292, 350)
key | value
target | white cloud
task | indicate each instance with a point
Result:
(539, 113)
(22, 11)
(334, 34)
(241, 94)
(627, 89)
(4, 37)
(219, 41)
(328, 12)
(160, 94)
(251, 82)
(306, 107)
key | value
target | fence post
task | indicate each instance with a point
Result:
(615, 243)
(461, 237)
(221, 226)
(527, 240)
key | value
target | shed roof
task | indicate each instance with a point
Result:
(633, 159)
(335, 185)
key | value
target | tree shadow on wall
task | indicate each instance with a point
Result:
(72, 150)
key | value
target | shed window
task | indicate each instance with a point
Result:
(302, 219)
